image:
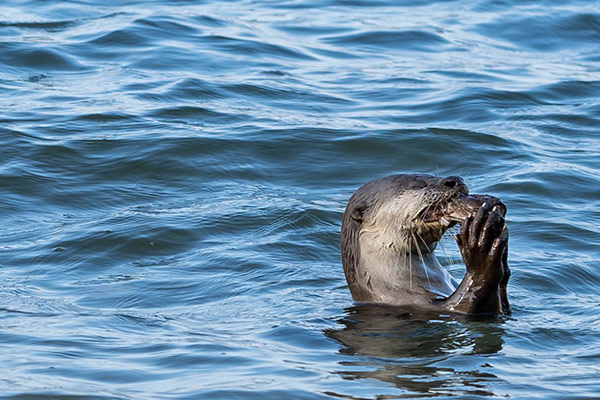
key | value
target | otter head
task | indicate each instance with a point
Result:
(390, 228)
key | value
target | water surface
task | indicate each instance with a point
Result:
(173, 175)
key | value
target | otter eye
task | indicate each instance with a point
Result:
(417, 184)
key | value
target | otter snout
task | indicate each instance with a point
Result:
(455, 183)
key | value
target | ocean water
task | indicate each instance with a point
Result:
(173, 176)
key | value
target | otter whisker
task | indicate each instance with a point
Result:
(405, 260)
(445, 253)
(423, 213)
(421, 257)
(410, 263)
(422, 240)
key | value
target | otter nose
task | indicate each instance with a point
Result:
(452, 182)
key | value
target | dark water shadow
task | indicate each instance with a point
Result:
(421, 353)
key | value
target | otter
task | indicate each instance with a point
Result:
(391, 228)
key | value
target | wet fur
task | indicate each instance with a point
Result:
(387, 250)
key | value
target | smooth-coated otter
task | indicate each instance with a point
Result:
(391, 227)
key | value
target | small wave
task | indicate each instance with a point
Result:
(50, 26)
(247, 47)
(402, 40)
(45, 59)
(545, 32)
(572, 90)
(194, 114)
(122, 38)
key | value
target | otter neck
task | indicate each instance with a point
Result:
(395, 273)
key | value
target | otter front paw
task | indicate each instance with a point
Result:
(483, 243)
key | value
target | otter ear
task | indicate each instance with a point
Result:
(358, 212)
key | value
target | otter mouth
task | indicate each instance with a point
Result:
(458, 208)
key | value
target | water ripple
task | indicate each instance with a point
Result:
(173, 176)
(546, 32)
(405, 40)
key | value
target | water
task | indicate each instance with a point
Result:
(173, 175)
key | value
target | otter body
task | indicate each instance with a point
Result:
(391, 228)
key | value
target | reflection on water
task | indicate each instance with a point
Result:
(421, 353)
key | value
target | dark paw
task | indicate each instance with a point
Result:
(483, 243)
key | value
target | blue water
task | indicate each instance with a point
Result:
(173, 175)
